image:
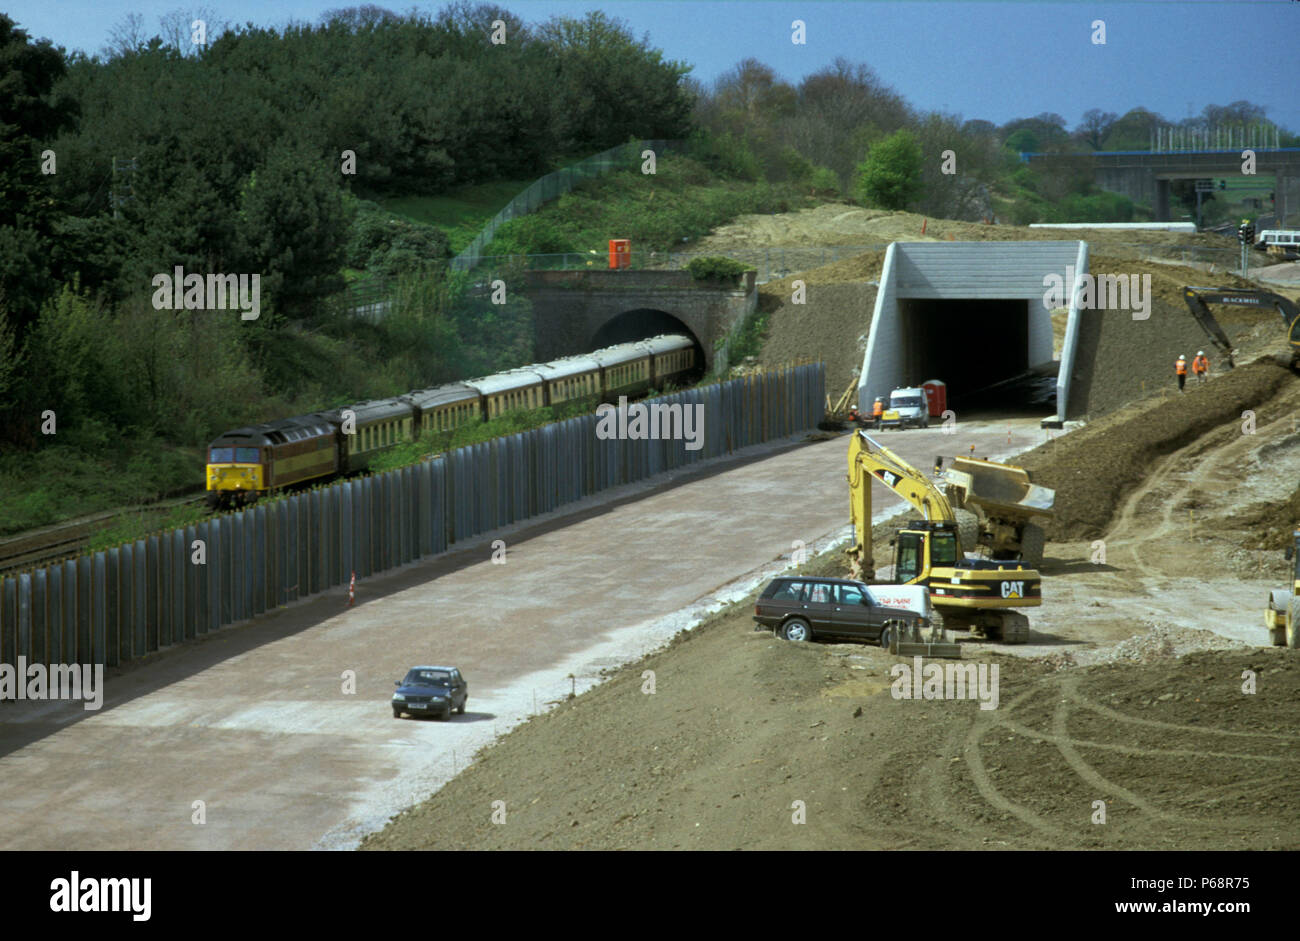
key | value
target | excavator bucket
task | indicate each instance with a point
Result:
(916, 643)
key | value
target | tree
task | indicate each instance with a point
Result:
(178, 33)
(1094, 127)
(1046, 132)
(977, 127)
(294, 229)
(890, 176)
(125, 36)
(1239, 113)
(1023, 141)
(842, 110)
(367, 16)
(30, 116)
(963, 193)
(609, 87)
(1133, 130)
(748, 109)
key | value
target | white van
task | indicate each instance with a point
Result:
(907, 407)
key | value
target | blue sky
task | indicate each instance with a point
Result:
(995, 61)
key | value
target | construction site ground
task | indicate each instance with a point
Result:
(1132, 691)
(1148, 683)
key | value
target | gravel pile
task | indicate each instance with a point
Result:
(1161, 642)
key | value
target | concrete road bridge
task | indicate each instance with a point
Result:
(1145, 177)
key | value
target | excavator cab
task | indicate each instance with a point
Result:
(909, 556)
(922, 547)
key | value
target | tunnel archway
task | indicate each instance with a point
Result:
(640, 323)
(637, 325)
(979, 347)
(994, 321)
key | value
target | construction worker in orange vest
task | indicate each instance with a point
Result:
(1180, 370)
(877, 409)
(1201, 366)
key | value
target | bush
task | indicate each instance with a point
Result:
(795, 166)
(1096, 207)
(727, 155)
(824, 182)
(716, 268)
(533, 234)
(389, 245)
(748, 339)
(890, 176)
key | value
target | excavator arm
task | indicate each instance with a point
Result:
(868, 461)
(1198, 297)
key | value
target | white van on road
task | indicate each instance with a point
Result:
(907, 407)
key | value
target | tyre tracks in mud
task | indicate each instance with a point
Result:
(1040, 792)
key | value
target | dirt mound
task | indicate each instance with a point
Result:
(831, 325)
(744, 732)
(1093, 468)
(1119, 359)
(846, 224)
(1268, 525)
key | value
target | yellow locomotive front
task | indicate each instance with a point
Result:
(236, 474)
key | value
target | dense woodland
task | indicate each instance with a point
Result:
(230, 157)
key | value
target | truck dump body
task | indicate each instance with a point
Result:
(1001, 487)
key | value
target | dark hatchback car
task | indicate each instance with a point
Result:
(430, 691)
(800, 608)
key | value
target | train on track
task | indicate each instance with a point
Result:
(248, 463)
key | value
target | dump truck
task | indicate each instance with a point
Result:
(970, 593)
(1010, 512)
(1282, 617)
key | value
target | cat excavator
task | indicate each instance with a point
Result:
(1197, 299)
(980, 595)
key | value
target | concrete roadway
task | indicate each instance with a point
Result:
(255, 722)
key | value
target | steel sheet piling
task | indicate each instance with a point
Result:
(117, 605)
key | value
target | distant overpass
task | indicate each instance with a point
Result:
(1144, 177)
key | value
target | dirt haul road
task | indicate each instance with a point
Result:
(255, 722)
(1142, 715)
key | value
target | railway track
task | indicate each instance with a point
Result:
(40, 547)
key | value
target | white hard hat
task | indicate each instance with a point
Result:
(1181, 356)
(1200, 352)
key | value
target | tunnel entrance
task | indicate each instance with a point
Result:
(641, 323)
(979, 347)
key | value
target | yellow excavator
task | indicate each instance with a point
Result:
(967, 593)
(1197, 299)
(1282, 618)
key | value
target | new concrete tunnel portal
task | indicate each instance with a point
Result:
(972, 314)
